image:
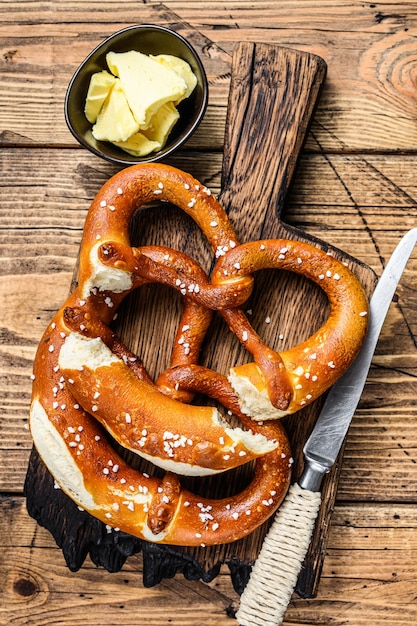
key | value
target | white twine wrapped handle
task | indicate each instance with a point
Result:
(274, 575)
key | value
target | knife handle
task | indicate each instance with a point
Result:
(274, 575)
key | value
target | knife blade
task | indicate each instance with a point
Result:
(274, 575)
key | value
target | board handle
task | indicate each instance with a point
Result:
(272, 97)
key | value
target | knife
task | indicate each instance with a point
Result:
(274, 575)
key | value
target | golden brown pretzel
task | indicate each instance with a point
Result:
(83, 462)
(80, 364)
(83, 373)
(278, 384)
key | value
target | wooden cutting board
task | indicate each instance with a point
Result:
(273, 94)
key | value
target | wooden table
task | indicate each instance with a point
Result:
(355, 188)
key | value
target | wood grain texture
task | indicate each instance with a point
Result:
(368, 102)
(37, 589)
(355, 189)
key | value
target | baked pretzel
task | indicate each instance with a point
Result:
(86, 379)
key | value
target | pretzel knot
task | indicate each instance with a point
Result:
(88, 385)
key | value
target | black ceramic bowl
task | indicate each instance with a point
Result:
(147, 39)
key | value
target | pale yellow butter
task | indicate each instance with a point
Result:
(138, 145)
(147, 84)
(155, 136)
(162, 123)
(115, 121)
(135, 106)
(182, 68)
(100, 86)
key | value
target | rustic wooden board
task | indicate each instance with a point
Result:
(272, 97)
